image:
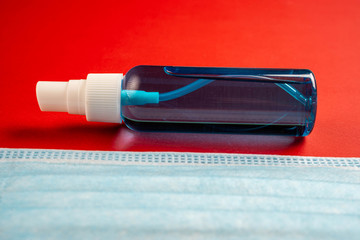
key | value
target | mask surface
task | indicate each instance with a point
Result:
(55, 194)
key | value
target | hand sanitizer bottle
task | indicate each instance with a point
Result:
(192, 99)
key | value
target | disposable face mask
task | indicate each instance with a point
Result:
(55, 194)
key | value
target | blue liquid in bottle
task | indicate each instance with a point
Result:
(219, 100)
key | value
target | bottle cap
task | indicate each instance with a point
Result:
(98, 97)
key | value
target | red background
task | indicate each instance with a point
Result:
(62, 40)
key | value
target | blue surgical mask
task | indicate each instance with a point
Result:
(56, 194)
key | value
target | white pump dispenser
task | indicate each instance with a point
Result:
(98, 97)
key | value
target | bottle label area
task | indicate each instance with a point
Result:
(264, 101)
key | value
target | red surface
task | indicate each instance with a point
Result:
(43, 40)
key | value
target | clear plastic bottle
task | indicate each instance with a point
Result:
(196, 99)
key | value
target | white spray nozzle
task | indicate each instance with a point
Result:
(52, 96)
(98, 97)
(62, 96)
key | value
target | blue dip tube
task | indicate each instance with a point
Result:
(219, 100)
